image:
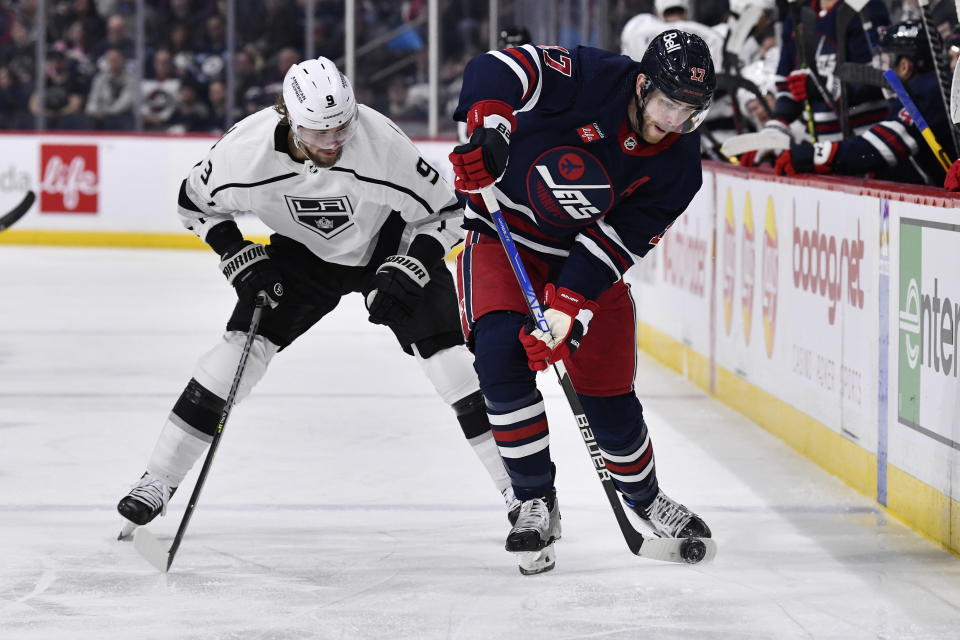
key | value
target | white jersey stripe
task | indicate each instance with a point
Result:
(504, 419)
(526, 449)
(513, 66)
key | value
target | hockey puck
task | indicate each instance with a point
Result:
(692, 550)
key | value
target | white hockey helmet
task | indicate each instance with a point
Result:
(665, 5)
(320, 103)
(739, 6)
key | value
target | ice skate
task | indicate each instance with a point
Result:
(691, 538)
(670, 519)
(146, 501)
(532, 536)
(513, 505)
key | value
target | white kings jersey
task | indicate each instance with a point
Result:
(338, 212)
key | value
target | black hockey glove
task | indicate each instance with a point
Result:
(249, 269)
(400, 281)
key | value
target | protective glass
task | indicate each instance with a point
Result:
(671, 115)
(329, 139)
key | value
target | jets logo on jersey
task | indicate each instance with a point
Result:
(326, 216)
(568, 187)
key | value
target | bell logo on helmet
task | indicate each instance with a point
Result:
(670, 40)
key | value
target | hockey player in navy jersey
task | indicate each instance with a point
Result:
(593, 157)
(892, 149)
(356, 209)
(809, 51)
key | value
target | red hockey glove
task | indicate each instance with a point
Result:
(482, 161)
(249, 269)
(807, 158)
(952, 182)
(568, 315)
(801, 86)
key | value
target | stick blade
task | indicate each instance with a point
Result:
(18, 211)
(736, 145)
(955, 96)
(154, 551)
(680, 550)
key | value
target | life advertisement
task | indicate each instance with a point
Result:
(671, 285)
(798, 297)
(924, 407)
(114, 182)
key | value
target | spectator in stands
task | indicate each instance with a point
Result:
(217, 99)
(78, 46)
(113, 94)
(14, 113)
(212, 51)
(171, 14)
(63, 96)
(276, 27)
(247, 78)
(273, 78)
(191, 114)
(182, 49)
(18, 55)
(160, 92)
(116, 38)
(400, 104)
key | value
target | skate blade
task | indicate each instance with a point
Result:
(681, 550)
(534, 562)
(126, 531)
(154, 551)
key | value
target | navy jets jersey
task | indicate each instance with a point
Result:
(894, 149)
(337, 213)
(581, 189)
(866, 105)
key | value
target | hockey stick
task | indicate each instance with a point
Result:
(18, 211)
(799, 36)
(689, 550)
(811, 44)
(773, 140)
(856, 73)
(849, 10)
(935, 42)
(143, 540)
(955, 89)
(918, 119)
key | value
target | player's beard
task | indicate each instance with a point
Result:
(644, 126)
(322, 161)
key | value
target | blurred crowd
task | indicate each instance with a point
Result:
(770, 80)
(801, 84)
(91, 79)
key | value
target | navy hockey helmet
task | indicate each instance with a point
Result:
(906, 39)
(679, 65)
(513, 37)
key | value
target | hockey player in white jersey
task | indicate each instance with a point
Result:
(355, 208)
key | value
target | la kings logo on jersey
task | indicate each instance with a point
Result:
(325, 216)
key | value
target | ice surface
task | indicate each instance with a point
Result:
(344, 502)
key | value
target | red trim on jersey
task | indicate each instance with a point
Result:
(611, 250)
(640, 147)
(635, 467)
(512, 435)
(893, 141)
(531, 72)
